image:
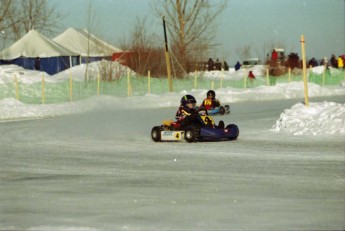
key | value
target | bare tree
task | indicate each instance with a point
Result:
(143, 53)
(17, 17)
(244, 52)
(191, 25)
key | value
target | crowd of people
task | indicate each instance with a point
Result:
(216, 65)
(333, 62)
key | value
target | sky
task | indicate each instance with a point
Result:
(259, 24)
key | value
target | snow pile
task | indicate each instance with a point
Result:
(8, 73)
(104, 67)
(324, 118)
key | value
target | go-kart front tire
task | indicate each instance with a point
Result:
(221, 110)
(156, 134)
(191, 134)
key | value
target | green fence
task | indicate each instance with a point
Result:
(64, 91)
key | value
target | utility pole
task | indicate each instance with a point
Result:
(167, 57)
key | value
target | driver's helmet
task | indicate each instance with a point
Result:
(211, 94)
(187, 99)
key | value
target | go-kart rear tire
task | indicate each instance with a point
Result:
(156, 134)
(221, 110)
(191, 134)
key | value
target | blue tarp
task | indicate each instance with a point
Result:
(50, 65)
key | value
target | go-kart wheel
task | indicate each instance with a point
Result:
(221, 110)
(156, 133)
(227, 109)
(191, 134)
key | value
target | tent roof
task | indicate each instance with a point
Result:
(84, 43)
(32, 45)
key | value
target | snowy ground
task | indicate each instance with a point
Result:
(91, 164)
(97, 169)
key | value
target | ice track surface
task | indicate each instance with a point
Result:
(99, 170)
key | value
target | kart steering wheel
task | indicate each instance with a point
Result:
(202, 111)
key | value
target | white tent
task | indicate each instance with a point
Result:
(33, 45)
(85, 44)
(53, 57)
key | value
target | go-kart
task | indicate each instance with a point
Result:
(201, 127)
(219, 110)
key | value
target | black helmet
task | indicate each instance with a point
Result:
(211, 93)
(187, 99)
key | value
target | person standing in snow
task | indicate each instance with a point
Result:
(37, 64)
(218, 65)
(210, 64)
(251, 75)
(237, 66)
(226, 66)
(340, 62)
(274, 55)
(333, 61)
(312, 63)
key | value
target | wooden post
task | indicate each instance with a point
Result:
(43, 96)
(16, 86)
(148, 82)
(70, 86)
(305, 80)
(221, 78)
(244, 80)
(129, 85)
(323, 74)
(98, 83)
(289, 78)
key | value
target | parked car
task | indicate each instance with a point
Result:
(251, 62)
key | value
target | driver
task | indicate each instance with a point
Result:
(187, 110)
(210, 102)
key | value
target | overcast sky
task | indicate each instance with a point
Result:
(254, 23)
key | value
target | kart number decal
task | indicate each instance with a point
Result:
(172, 135)
(208, 102)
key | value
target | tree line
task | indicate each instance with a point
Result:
(191, 28)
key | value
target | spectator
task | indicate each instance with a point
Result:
(324, 62)
(334, 62)
(251, 75)
(210, 64)
(237, 66)
(340, 62)
(312, 63)
(218, 65)
(226, 66)
(274, 55)
(37, 64)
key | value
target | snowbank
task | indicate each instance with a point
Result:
(8, 72)
(325, 118)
